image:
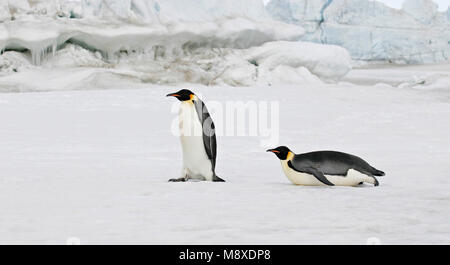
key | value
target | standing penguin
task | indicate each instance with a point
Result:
(198, 138)
(325, 168)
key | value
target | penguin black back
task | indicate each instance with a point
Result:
(335, 163)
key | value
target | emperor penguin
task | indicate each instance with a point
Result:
(198, 138)
(325, 168)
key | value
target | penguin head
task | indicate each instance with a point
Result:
(182, 95)
(282, 152)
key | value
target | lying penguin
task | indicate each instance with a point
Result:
(325, 168)
(198, 138)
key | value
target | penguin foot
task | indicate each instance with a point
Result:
(217, 179)
(375, 183)
(182, 179)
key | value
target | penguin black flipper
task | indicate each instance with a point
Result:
(209, 134)
(313, 171)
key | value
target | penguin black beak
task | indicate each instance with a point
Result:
(172, 95)
(273, 151)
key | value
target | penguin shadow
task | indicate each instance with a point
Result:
(175, 180)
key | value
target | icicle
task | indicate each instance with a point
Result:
(54, 46)
(110, 55)
(43, 54)
(36, 54)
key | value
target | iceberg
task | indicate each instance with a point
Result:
(211, 42)
(424, 11)
(113, 26)
(370, 30)
(276, 62)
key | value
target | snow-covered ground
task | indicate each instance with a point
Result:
(94, 164)
(423, 77)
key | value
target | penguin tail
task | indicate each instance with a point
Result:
(377, 172)
(217, 179)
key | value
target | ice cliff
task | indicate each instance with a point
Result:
(370, 30)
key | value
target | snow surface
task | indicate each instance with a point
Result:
(424, 77)
(370, 30)
(94, 165)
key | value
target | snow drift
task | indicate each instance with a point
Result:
(370, 30)
(325, 61)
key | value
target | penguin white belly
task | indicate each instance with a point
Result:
(196, 163)
(352, 178)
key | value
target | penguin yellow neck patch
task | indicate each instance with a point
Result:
(290, 155)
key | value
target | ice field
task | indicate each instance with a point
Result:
(94, 165)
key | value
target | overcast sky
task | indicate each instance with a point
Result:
(443, 4)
